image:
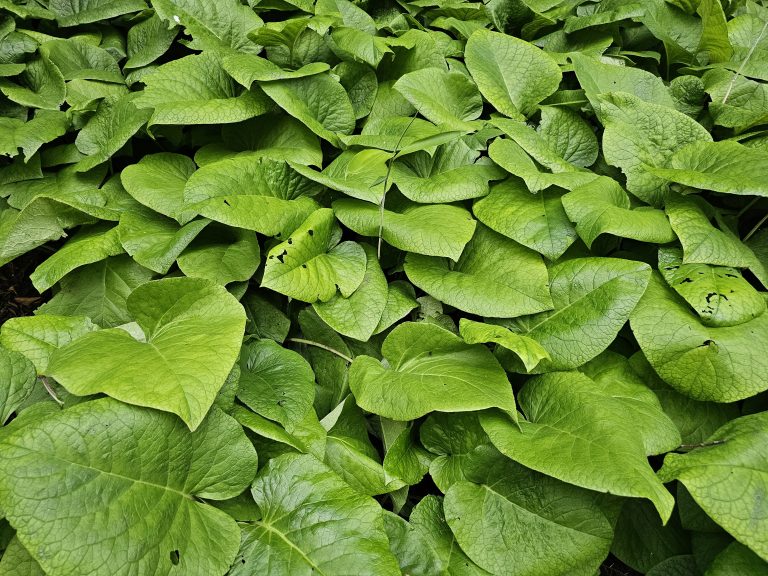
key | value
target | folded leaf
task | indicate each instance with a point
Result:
(187, 371)
(527, 349)
(139, 516)
(429, 369)
(18, 376)
(726, 479)
(577, 432)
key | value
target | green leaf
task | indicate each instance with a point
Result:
(428, 520)
(602, 207)
(736, 559)
(569, 135)
(639, 134)
(98, 291)
(340, 175)
(275, 382)
(578, 432)
(18, 376)
(218, 26)
(599, 292)
(410, 548)
(318, 101)
(438, 230)
(116, 120)
(512, 74)
(358, 315)
(17, 561)
(158, 181)
(222, 255)
(249, 68)
(737, 102)
(38, 337)
(727, 167)
(555, 527)
(41, 85)
(401, 299)
(429, 369)
(527, 349)
(187, 371)
(30, 136)
(155, 241)
(706, 363)
(157, 505)
(719, 295)
(613, 374)
(77, 59)
(90, 244)
(267, 196)
(537, 221)
(147, 41)
(727, 478)
(597, 77)
(494, 276)
(696, 421)
(454, 172)
(311, 265)
(448, 98)
(196, 90)
(301, 501)
(74, 12)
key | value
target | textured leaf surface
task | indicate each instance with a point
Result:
(706, 363)
(513, 285)
(429, 369)
(728, 479)
(18, 376)
(193, 330)
(576, 432)
(302, 501)
(100, 483)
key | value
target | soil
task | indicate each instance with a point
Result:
(17, 295)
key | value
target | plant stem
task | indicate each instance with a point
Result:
(755, 228)
(51, 393)
(744, 62)
(386, 183)
(323, 346)
(687, 447)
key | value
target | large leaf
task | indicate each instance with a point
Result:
(602, 207)
(196, 90)
(429, 369)
(318, 101)
(73, 12)
(727, 479)
(18, 376)
(448, 98)
(311, 265)
(527, 349)
(555, 527)
(158, 181)
(358, 315)
(512, 74)
(537, 221)
(302, 501)
(719, 295)
(146, 518)
(192, 330)
(601, 293)
(275, 382)
(438, 230)
(639, 134)
(706, 363)
(258, 194)
(494, 276)
(98, 291)
(727, 167)
(576, 431)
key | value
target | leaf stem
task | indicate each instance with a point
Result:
(49, 389)
(755, 228)
(744, 63)
(747, 207)
(386, 183)
(688, 447)
(323, 346)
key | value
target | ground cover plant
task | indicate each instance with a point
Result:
(437, 287)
